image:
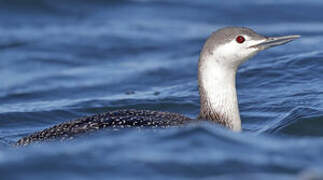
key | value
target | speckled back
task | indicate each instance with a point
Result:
(114, 119)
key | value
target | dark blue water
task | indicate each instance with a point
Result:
(60, 60)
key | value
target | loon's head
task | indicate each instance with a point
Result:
(220, 58)
(232, 46)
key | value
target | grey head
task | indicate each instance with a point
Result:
(220, 58)
(234, 45)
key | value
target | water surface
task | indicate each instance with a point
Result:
(61, 60)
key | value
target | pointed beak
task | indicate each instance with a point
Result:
(275, 41)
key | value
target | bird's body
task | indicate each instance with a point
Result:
(118, 119)
(219, 60)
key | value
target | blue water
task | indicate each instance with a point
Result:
(60, 60)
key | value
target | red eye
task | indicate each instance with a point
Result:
(240, 39)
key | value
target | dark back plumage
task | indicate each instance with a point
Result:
(113, 119)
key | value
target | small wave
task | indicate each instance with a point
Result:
(13, 45)
(300, 121)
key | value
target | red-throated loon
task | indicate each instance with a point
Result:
(219, 60)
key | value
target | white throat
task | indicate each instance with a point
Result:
(217, 86)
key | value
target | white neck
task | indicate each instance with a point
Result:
(218, 95)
